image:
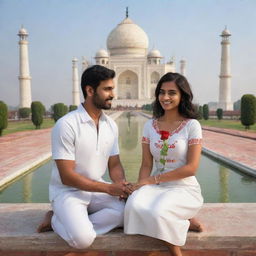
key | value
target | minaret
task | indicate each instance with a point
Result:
(24, 77)
(225, 75)
(75, 92)
(183, 67)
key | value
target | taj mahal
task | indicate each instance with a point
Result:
(137, 68)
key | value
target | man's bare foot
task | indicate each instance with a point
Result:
(195, 225)
(46, 224)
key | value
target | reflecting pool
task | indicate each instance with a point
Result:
(219, 183)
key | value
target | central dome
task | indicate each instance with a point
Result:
(127, 39)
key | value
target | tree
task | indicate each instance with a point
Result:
(38, 110)
(219, 113)
(24, 112)
(248, 110)
(3, 117)
(59, 110)
(200, 112)
(72, 107)
(205, 112)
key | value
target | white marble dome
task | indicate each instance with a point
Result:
(127, 39)
(23, 31)
(154, 54)
(102, 53)
(226, 32)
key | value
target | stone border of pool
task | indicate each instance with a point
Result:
(230, 229)
(229, 162)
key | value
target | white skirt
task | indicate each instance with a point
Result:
(162, 211)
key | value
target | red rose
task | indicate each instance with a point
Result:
(164, 135)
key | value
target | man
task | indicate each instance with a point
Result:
(84, 144)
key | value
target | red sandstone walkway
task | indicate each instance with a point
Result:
(239, 149)
(22, 149)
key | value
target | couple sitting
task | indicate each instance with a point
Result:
(161, 204)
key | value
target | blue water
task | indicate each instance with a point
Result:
(219, 183)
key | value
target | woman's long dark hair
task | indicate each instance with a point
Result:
(186, 108)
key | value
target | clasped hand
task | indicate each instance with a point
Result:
(124, 189)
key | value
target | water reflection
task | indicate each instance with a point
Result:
(219, 183)
(128, 132)
(224, 179)
(27, 185)
(130, 127)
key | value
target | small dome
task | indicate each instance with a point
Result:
(23, 31)
(127, 39)
(154, 54)
(225, 32)
(102, 53)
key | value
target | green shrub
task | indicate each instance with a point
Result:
(3, 117)
(248, 110)
(205, 112)
(59, 110)
(38, 111)
(219, 113)
(72, 107)
(24, 112)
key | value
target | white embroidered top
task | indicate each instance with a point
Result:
(188, 133)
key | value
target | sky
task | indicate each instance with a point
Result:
(60, 30)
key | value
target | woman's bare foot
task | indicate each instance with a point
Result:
(195, 225)
(46, 224)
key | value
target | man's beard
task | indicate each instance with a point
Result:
(100, 103)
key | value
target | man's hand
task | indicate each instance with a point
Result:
(122, 189)
(117, 189)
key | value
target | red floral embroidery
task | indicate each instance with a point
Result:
(171, 161)
(160, 145)
(194, 141)
(145, 140)
(177, 130)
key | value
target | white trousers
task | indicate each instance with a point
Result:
(78, 220)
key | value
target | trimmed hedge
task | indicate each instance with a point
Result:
(59, 110)
(38, 111)
(24, 112)
(248, 110)
(3, 117)
(205, 112)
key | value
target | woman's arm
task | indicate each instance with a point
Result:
(193, 159)
(147, 162)
(189, 169)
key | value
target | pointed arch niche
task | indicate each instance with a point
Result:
(127, 85)
(154, 78)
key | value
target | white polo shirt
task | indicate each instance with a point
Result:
(75, 137)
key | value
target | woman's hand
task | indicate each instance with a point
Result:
(142, 182)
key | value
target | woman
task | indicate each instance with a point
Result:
(166, 199)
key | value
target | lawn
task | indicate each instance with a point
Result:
(228, 124)
(24, 125)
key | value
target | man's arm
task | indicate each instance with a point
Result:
(73, 179)
(116, 170)
(116, 173)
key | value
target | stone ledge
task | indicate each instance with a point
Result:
(227, 226)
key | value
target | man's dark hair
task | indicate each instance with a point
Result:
(94, 75)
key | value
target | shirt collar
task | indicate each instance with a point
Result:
(85, 117)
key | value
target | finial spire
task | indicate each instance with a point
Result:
(127, 13)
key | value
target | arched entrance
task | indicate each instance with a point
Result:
(127, 85)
